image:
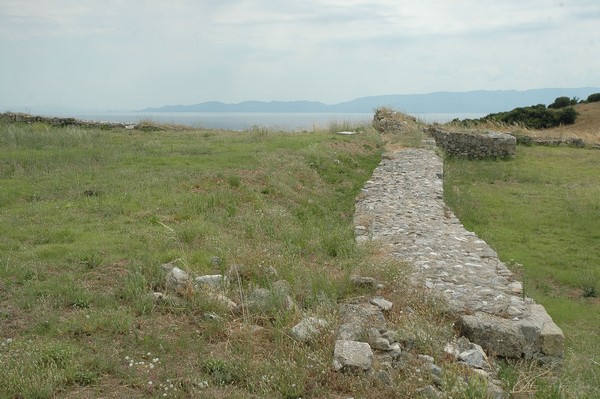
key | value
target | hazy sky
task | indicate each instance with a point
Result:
(131, 54)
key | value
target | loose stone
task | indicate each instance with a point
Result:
(381, 303)
(352, 356)
(308, 328)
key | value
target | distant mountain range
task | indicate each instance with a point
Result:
(480, 101)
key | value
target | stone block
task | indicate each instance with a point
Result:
(551, 336)
(500, 337)
(475, 145)
(352, 356)
(534, 336)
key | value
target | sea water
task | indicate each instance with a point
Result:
(252, 120)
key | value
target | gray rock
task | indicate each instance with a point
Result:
(381, 303)
(475, 357)
(262, 300)
(395, 351)
(365, 315)
(364, 282)
(435, 370)
(352, 356)
(551, 337)
(391, 336)
(222, 300)
(178, 281)
(500, 336)
(350, 332)
(381, 344)
(213, 280)
(308, 328)
(357, 320)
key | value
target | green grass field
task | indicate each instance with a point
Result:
(542, 211)
(87, 217)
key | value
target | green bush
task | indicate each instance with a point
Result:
(593, 98)
(567, 116)
(535, 117)
(561, 102)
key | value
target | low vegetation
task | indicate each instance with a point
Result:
(561, 112)
(89, 215)
(532, 117)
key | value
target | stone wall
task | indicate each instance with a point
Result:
(475, 145)
(402, 208)
(548, 141)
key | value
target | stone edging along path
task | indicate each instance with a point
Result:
(402, 206)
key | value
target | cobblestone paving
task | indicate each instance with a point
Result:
(402, 206)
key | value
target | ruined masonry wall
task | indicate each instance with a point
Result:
(475, 145)
(402, 207)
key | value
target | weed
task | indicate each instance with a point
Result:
(234, 181)
(91, 260)
(224, 372)
(590, 284)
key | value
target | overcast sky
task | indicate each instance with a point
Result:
(131, 54)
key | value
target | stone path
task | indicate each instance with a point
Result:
(402, 206)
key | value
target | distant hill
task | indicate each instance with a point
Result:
(480, 101)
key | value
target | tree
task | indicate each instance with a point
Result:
(561, 102)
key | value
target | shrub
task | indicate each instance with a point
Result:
(561, 102)
(535, 117)
(567, 116)
(593, 98)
